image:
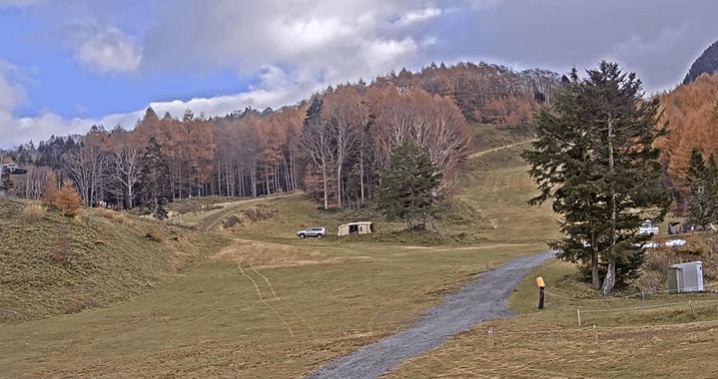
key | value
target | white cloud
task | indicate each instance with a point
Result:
(636, 46)
(327, 36)
(418, 16)
(297, 47)
(278, 89)
(16, 131)
(104, 48)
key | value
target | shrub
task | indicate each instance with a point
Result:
(232, 221)
(68, 201)
(153, 235)
(65, 200)
(104, 212)
(33, 213)
(50, 194)
(259, 214)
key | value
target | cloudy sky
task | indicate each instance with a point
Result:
(65, 65)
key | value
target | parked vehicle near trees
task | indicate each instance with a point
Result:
(315, 231)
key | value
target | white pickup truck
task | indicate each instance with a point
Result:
(647, 229)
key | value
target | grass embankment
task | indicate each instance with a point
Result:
(273, 306)
(663, 340)
(51, 264)
(667, 338)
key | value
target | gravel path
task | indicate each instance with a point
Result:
(484, 299)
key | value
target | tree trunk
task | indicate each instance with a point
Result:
(292, 176)
(266, 178)
(610, 279)
(253, 173)
(594, 269)
(361, 173)
(324, 182)
(339, 186)
(179, 183)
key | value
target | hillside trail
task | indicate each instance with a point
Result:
(485, 298)
(210, 220)
(480, 153)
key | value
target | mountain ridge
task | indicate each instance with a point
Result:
(706, 63)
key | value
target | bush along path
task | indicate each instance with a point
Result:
(482, 300)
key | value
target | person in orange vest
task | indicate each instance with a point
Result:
(541, 285)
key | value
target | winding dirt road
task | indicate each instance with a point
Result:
(480, 153)
(484, 299)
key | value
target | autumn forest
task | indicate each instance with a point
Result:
(333, 145)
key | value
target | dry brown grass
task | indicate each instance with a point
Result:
(524, 351)
(118, 217)
(264, 255)
(33, 212)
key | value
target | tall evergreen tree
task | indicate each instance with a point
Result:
(595, 159)
(407, 184)
(703, 197)
(155, 180)
(315, 141)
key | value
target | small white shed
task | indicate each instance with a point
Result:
(686, 277)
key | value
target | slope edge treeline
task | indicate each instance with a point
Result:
(333, 145)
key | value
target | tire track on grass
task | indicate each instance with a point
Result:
(484, 299)
(281, 301)
(291, 333)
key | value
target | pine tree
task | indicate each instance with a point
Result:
(315, 141)
(407, 184)
(155, 180)
(701, 179)
(595, 159)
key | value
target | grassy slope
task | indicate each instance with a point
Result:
(549, 343)
(108, 258)
(632, 343)
(271, 305)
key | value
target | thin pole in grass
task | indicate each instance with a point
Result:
(578, 314)
(491, 338)
(595, 333)
(643, 298)
(690, 304)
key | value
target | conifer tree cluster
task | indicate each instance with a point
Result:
(595, 159)
(702, 180)
(406, 189)
(155, 180)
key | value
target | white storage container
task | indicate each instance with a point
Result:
(689, 276)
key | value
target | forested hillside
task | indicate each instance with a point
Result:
(692, 114)
(333, 145)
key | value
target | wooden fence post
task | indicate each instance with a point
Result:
(578, 314)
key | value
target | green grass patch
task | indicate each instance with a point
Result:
(54, 264)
